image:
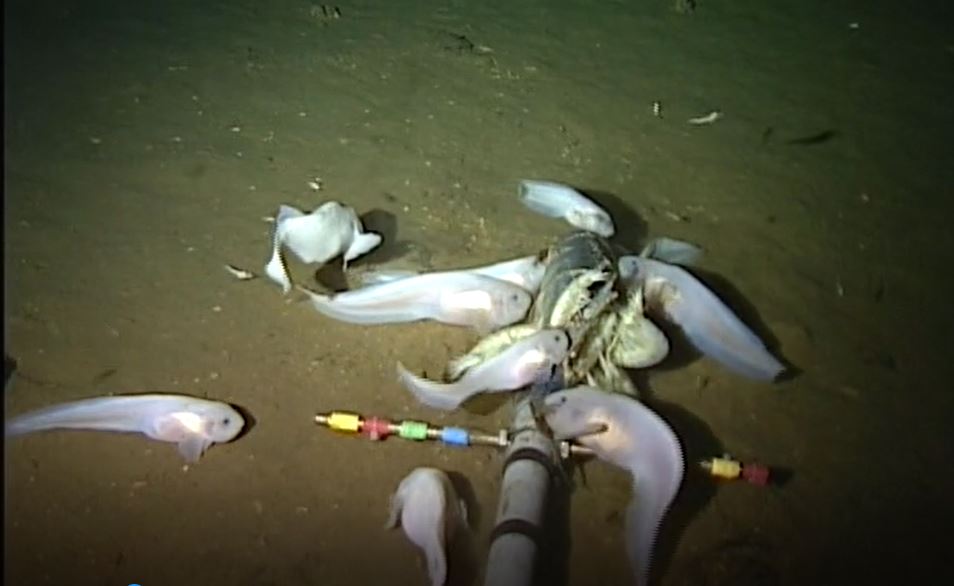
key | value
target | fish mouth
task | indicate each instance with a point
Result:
(590, 429)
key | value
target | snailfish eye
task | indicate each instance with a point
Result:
(226, 421)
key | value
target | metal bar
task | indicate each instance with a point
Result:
(531, 458)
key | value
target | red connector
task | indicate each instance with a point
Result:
(376, 428)
(755, 474)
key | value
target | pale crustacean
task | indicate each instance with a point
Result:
(581, 293)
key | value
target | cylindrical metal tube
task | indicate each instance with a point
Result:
(532, 460)
(527, 476)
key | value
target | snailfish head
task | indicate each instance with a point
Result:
(570, 413)
(511, 305)
(628, 267)
(222, 422)
(555, 343)
(592, 220)
(616, 427)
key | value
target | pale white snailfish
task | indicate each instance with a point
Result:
(526, 271)
(193, 424)
(332, 229)
(705, 320)
(514, 368)
(625, 433)
(452, 297)
(561, 201)
(429, 511)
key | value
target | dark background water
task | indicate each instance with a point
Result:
(144, 142)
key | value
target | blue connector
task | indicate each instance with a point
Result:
(455, 436)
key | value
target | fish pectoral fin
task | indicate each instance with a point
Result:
(481, 322)
(277, 272)
(394, 512)
(193, 446)
(361, 244)
(286, 212)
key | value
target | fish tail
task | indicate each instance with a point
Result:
(399, 312)
(641, 531)
(437, 565)
(22, 425)
(729, 342)
(446, 397)
(39, 420)
(92, 414)
(712, 327)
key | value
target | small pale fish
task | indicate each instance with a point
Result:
(672, 293)
(560, 201)
(526, 271)
(677, 252)
(192, 423)
(516, 367)
(331, 230)
(627, 434)
(427, 507)
(240, 274)
(487, 347)
(453, 297)
(707, 119)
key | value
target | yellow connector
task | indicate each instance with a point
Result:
(723, 468)
(340, 421)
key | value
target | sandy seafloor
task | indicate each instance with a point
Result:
(145, 141)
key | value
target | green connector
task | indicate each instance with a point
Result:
(413, 430)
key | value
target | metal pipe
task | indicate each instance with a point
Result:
(531, 460)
